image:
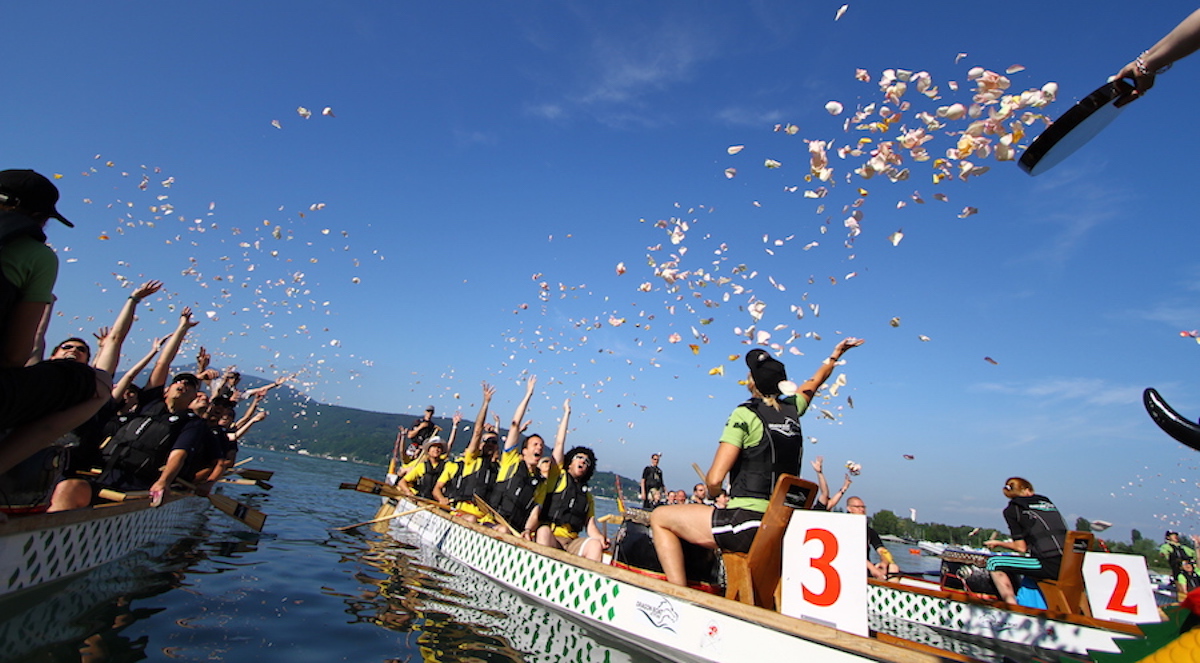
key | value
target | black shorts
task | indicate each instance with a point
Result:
(32, 392)
(734, 529)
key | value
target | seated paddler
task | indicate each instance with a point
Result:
(762, 440)
(475, 473)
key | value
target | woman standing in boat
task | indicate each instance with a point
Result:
(761, 441)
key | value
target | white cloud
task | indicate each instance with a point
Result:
(1092, 391)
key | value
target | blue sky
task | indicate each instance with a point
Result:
(478, 150)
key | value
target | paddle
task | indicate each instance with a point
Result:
(700, 473)
(261, 475)
(375, 487)
(251, 517)
(487, 508)
(620, 497)
(1077, 126)
(383, 518)
(248, 482)
(243, 461)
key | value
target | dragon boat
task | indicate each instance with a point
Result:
(42, 548)
(901, 619)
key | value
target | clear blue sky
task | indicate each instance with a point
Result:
(480, 149)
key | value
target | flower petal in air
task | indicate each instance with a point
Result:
(1012, 69)
(834, 108)
(841, 10)
(734, 149)
(730, 173)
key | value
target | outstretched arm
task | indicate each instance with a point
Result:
(110, 345)
(477, 434)
(817, 464)
(809, 388)
(837, 497)
(1179, 43)
(560, 440)
(515, 428)
(162, 368)
(119, 388)
(455, 420)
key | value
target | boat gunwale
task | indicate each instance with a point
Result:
(42, 521)
(962, 597)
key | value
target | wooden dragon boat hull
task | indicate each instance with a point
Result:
(39, 549)
(673, 623)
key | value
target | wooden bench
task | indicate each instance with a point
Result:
(1066, 594)
(753, 577)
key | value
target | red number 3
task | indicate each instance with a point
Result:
(824, 564)
(1116, 602)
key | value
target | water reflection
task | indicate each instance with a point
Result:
(456, 614)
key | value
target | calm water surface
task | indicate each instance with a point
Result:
(297, 592)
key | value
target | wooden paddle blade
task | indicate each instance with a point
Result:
(1171, 422)
(264, 485)
(347, 486)
(258, 475)
(375, 487)
(253, 518)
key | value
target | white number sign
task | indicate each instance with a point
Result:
(1118, 588)
(824, 569)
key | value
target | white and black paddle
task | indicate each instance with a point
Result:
(1081, 123)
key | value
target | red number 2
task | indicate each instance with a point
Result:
(1116, 602)
(824, 564)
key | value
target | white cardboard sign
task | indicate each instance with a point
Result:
(824, 569)
(1118, 588)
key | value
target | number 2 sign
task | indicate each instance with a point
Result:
(1118, 588)
(824, 569)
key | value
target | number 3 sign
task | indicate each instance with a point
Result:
(1118, 588)
(824, 569)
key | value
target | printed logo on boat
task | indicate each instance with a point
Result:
(662, 615)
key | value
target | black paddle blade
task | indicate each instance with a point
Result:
(1171, 422)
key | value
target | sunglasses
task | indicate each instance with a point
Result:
(584, 458)
(79, 348)
(1009, 486)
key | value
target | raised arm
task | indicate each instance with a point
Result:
(455, 420)
(162, 368)
(244, 428)
(560, 440)
(1179, 43)
(477, 433)
(837, 497)
(826, 369)
(110, 346)
(515, 428)
(249, 413)
(119, 388)
(817, 465)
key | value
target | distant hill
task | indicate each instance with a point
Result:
(297, 422)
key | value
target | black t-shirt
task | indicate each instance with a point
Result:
(652, 476)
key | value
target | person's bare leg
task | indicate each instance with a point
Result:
(669, 524)
(1004, 586)
(545, 536)
(70, 494)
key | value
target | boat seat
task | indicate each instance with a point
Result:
(753, 577)
(1066, 594)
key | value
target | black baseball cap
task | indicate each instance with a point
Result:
(31, 192)
(766, 370)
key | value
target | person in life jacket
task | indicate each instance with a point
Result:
(761, 441)
(39, 401)
(519, 484)
(1176, 552)
(568, 511)
(475, 473)
(423, 473)
(1039, 533)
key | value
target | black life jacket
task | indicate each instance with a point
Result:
(13, 225)
(428, 480)
(450, 490)
(1047, 532)
(568, 507)
(758, 468)
(513, 497)
(480, 482)
(141, 447)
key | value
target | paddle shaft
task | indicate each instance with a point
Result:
(383, 518)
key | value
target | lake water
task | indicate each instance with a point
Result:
(298, 592)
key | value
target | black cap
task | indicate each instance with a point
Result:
(31, 192)
(188, 378)
(766, 371)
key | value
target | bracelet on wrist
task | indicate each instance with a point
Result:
(1139, 63)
